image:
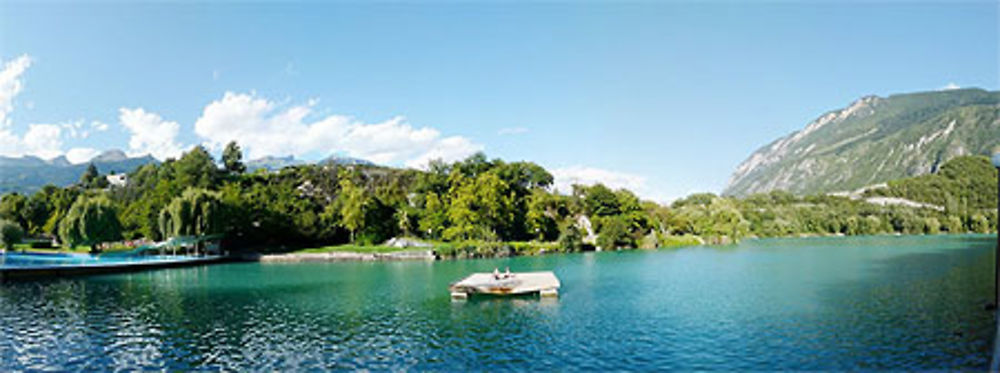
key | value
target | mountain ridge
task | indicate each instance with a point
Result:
(873, 140)
(28, 173)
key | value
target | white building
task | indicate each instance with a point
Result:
(119, 180)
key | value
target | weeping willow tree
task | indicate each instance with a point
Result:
(196, 212)
(91, 220)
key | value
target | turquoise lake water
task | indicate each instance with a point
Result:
(906, 303)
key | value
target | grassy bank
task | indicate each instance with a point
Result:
(349, 248)
(447, 250)
(490, 249)
(669, 242)
(485, 249)
(58, 249)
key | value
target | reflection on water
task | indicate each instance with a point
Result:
(906, 303)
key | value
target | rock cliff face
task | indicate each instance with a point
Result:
(874, 140)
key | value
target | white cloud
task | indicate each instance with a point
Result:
(73, 129)
(99, 126)
(10, 85)
(41, 140)
(567, 176)
(949, 86)
(81, 155)
(150, 134)
(46, 140)
(512, 131)
(264, 127)
(449, 149)
(78, 129)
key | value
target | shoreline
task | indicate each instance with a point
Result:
(472, 250)
(435, 253)
(341, 256)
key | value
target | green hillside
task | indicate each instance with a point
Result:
(872, 141)
(962, 184)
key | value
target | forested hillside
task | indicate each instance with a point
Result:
(481, 205)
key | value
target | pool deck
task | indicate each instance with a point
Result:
(544, 283)
(48, 271)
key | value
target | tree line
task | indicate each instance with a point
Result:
(478, 202)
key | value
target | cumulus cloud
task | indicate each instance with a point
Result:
(80, 130)
(264, 127)
(567, 176)
(449, 149)
(512, 131)
(949, 86)
(11, 85)
(150, 133)
(41, 140)
(81, 155)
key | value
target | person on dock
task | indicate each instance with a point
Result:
(496, 273)
(506, 273)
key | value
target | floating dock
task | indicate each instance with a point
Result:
(544, 283)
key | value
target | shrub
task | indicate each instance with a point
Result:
(932, 226)
(953, 224)
(679, 241)
(570, 238)
(10, 233)
(614, 234)
(979, 224)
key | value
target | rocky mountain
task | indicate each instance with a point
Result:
(345, 161)
(874, 140)
(272, 163)
(28, 174)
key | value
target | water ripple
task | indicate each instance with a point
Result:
(902, 305)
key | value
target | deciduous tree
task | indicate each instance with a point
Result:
(91, 220)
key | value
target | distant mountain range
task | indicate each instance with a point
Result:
(28, 174)
(874, 140)
(271, 163)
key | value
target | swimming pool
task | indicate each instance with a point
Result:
(34, 265)
(34, 260)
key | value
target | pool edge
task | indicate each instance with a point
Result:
(35, 273)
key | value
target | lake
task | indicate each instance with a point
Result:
(906, 303)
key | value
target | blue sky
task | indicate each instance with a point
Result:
(664, 98)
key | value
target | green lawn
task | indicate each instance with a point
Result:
(348, 248)
(77, 249)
